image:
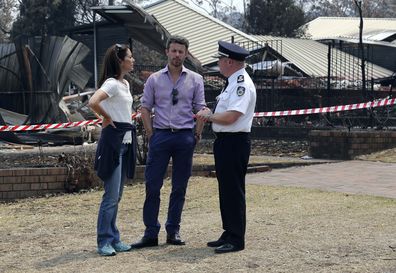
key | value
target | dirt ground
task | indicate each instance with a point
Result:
(288, 230)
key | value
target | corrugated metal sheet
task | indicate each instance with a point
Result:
(9, 69)
(311, 57)
(42, 77)
(348, 27)
(69, 68)
(203, 32)
(139, 24)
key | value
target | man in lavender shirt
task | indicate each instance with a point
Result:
(175, 93)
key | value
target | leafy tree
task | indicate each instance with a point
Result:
(223, 10)
(42, 17)
(61, 14)
(6, 6)
(84, 14)
(347, 8)
(275, 17)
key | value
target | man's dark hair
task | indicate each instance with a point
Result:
(177, 39)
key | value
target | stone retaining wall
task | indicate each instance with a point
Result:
(336, 144)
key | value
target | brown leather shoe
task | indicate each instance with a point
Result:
(145, 242)
(174, 239)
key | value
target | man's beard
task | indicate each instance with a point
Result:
(176, 62)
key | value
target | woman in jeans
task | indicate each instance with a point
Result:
(115, 154)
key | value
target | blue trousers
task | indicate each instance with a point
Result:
(165, 145)
(107, 231)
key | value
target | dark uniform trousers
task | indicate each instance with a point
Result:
(231, 153)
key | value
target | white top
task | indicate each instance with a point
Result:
(119, 103)
(240, 96)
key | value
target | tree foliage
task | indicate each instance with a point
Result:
(6, 7)
(84, 14)
(347, 8)
(271, 17)
(42, 17)
(223, 10)
(274, 17)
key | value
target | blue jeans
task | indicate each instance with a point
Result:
(107, 231)
(165, 145)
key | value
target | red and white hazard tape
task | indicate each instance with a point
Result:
(331, 109)
(38, 127)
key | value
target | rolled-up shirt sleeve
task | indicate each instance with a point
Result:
(147, 100)
(199, 96)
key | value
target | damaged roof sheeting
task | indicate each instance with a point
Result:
(9, 67)
(140, 25)
(311, 57)
(203, 32)
(143, 27)
(45, 68)
(69, 68)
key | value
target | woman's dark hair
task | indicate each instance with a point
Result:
(111, 62)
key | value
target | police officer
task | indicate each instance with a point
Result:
(231, 123)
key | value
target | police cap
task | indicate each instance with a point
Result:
(231, 51)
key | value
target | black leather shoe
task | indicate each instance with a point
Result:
(174, 239)
(227, 248)
(145, 242)
(217, 243)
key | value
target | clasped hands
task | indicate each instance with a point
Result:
(204, 115)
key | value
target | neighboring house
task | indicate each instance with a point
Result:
(306, 56)
(379, 36)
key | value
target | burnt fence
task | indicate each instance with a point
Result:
(299, 63)
(269, 100)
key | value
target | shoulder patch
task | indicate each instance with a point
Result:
(240, 78)
(240, 91)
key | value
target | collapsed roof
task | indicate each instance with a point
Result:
(204, 31)
(143, 27)
(35, 74)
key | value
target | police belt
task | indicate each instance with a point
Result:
(229, 134)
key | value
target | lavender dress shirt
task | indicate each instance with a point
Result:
(157, 95)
